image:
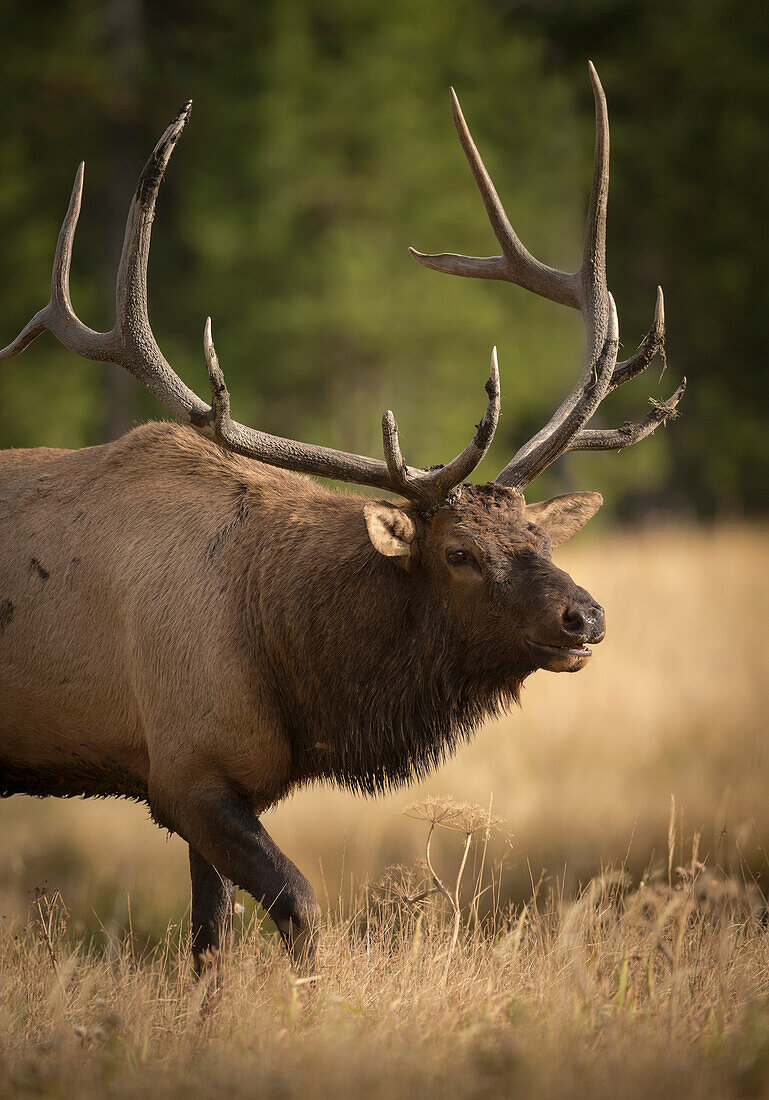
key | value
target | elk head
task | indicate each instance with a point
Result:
(489, 558)
(483, 546)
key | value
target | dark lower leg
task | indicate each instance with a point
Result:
(213, 897)
(229, 836)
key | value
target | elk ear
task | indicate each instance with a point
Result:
(390, 529)
(561, 517)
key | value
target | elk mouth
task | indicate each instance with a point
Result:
(556, 658)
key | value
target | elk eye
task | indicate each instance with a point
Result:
(456, 557)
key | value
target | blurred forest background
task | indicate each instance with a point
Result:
(321, 146)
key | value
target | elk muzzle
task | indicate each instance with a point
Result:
(582, 624)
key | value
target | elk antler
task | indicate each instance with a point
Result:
(584, 290)
(131, 344)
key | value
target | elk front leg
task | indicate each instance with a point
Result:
(213, 897)
(227, 834)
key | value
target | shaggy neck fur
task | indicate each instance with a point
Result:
(376, 684)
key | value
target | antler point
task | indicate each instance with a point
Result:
(659, 310)
(595, 79)
(613, 327)
(456, 110)
(77, 186)
(494, 373)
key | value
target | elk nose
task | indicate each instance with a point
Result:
(585, 622)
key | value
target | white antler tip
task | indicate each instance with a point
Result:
(595, 81)
(456, 109)
(612, 331)
(77, 186)
(494, 372)
(659, 309)
(77, 189)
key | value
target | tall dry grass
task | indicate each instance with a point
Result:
(648, 978)
(632, 991)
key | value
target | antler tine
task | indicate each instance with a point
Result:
(131, 342)
(516, 264)
(391, 446)
(584, 289)
(593, 269)
(139, 351)
(62, 258)
(33, 328)
(614, 439)
(220, 395)
(652, 344)
(58, 315)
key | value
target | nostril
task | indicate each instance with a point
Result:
(574, 620)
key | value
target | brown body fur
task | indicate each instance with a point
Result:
(126, 655)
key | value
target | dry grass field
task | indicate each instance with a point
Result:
(606, 946)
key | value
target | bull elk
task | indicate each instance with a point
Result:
(189, 620)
